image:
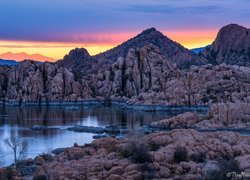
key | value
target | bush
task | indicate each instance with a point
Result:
(136, 151)
(226, 77)
(153, 146)
(180, 154)
(226, 166)
(199, 158)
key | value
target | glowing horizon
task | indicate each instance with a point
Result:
(57, 50)
(53, 28)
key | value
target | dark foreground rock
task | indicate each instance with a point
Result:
(99, 130)
(90, 129)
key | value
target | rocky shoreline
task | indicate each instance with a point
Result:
(115, 103)
(187, 146)
(176, 154)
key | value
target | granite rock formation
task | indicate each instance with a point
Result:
(140, 71)
(231, 46)
(4, 70)
(220, 116)
(32, 82)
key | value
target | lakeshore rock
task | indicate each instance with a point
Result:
(32, 82)
(102, 158)
(233, 116)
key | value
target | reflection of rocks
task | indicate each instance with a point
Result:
(230, 116)
(102, 158)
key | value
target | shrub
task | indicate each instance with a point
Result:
(112, 147)
(226, 77)
(180, 154)
(153, 146)
(136, 151)
(199, 158)
(226, 166)
(9, 173)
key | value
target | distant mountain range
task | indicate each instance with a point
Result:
(22, 56)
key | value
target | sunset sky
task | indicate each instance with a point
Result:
(54, 27)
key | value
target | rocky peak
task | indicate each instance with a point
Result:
(79, 61)
(149, 31)
(170, 49)
(78, 54)
(231, 46)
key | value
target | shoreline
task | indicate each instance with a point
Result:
(115, 103)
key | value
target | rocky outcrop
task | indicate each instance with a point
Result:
(203, 85)
(232, 115)
(231, 46)
(140, 71)
(143, 77)
(32, 82)
(177, 154)
(4, 70)
(228, 116)
(80, 63)
(186, 120)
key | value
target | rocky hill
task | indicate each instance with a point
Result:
(231, 46)
(82, 63)
(170, 49)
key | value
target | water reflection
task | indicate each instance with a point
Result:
(19, 121)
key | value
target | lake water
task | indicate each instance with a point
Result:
(18, 121)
